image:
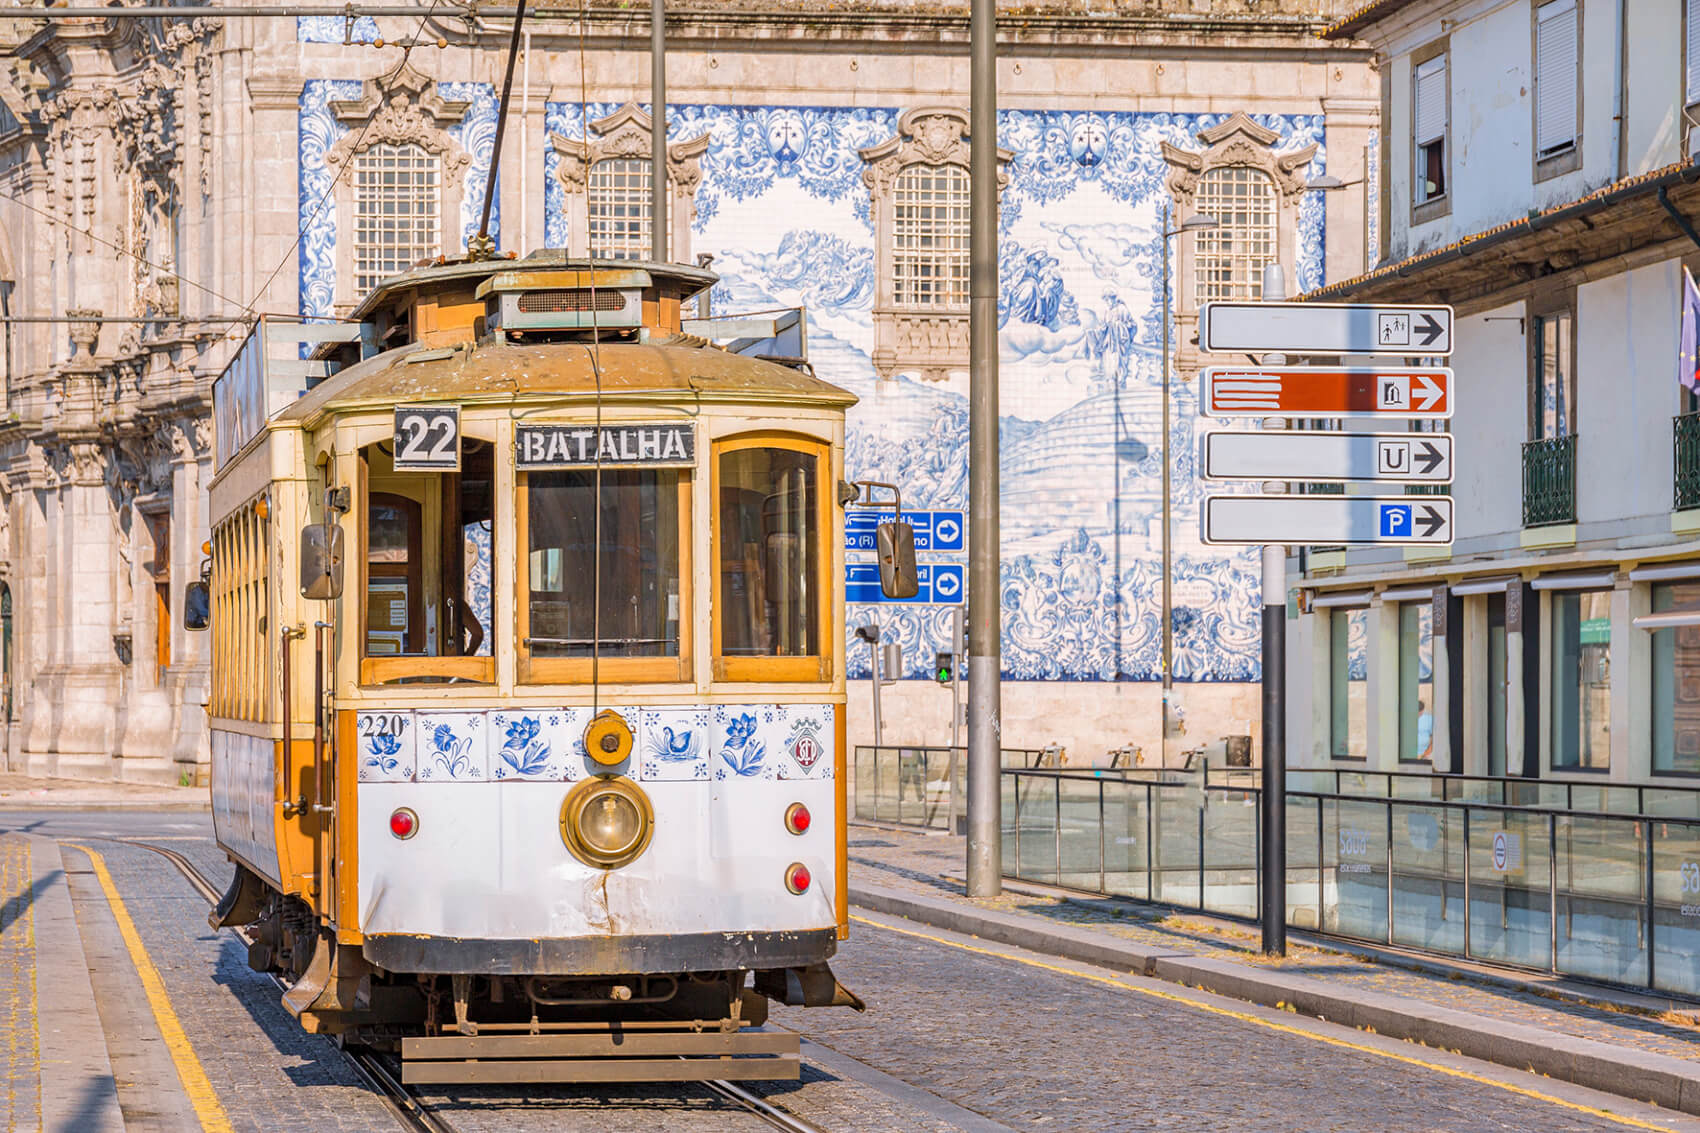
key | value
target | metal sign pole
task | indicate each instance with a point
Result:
(1274, 912)
(985, 864)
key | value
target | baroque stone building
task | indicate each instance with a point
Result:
(164, 181)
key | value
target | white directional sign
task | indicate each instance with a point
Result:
(1326, 328)
(1322, 457)
(1350, 520)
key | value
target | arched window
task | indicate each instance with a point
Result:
(1231, 257)
(929, 236)
(618, 204)
(397, 211)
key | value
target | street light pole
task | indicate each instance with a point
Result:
(985, 854)
(1274, 770)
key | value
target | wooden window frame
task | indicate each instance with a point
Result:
(1426, 209)
(817, 668)
(1563, 159)
(606, 670)
(379, 671)
(1541, 305)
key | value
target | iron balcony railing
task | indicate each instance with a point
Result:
(1549, 481)
(1685, 430)
(1608, 897)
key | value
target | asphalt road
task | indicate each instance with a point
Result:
(959, 1035)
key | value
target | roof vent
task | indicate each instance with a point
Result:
(528, 300)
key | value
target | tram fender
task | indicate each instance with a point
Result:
(813, 986)
(337, 985)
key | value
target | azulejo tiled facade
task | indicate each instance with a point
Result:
(223, 165)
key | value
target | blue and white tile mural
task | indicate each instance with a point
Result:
(318, 130)
(783, 208)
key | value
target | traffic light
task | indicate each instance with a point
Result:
(944, 666)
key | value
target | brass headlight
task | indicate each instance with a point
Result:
(608, 738)
(607, 822)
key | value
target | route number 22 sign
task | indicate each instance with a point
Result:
(427, 438)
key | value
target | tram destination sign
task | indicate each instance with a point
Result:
(1405, 330)
(1311, 520)
(1328, 391)
(658, 445)
(1326, 457)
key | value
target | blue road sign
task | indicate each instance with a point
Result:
(934, 530)
(938, 583)
(1395, 521)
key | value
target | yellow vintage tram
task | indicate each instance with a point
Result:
(528, 698)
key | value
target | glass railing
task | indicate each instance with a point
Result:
(1604, 896)
(921, 786)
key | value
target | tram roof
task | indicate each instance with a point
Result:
(680, 368)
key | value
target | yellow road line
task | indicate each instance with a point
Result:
(189, 1072)
(1272, 1025)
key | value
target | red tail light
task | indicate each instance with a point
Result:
(797, 877)
(797, 818)
(404, 823)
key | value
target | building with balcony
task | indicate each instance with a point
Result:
(1537, 173)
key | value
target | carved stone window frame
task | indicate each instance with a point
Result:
(403, 109)
(1236, 141)
(924, 339)
(626, 134)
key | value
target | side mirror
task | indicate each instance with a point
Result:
(321, 561)
(897, 560)
(197, 606)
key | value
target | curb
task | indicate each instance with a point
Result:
(1671, 1083)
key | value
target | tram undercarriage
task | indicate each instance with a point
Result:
(526, 1027)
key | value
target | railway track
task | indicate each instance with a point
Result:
(406, 1105)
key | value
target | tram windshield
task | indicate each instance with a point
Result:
(428, 563)
(607, 566)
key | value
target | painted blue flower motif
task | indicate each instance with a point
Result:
(742, 752)
(522, 752)
(453, 753)
(381, 750)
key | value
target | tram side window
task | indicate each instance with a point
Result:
(609, 566)
(429, 547)
(769, 545)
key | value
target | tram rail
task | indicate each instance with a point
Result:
(409, 1109)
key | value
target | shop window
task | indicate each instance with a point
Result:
(1581, 680)
(1676, 683)
(1416, 682)
(1348, 681)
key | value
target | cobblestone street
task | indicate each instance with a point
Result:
(960, 1035)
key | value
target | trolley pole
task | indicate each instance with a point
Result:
(658, 130)
(1274, 911)
(985, 855)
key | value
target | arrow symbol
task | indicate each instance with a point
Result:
(1430, 329)
(1428, 391)
(1430, 457)
(1431, 520)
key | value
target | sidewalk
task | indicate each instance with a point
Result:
(1640, 1046)
(23, 792)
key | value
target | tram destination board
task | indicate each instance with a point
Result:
(1362, 521)
(1406, 330)
(427, 438)
(666, 444)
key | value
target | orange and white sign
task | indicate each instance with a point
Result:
(1328, 391)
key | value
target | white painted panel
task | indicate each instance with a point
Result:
(244, 815)
(1489, 423)
(1626, 347)
(488, 862)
